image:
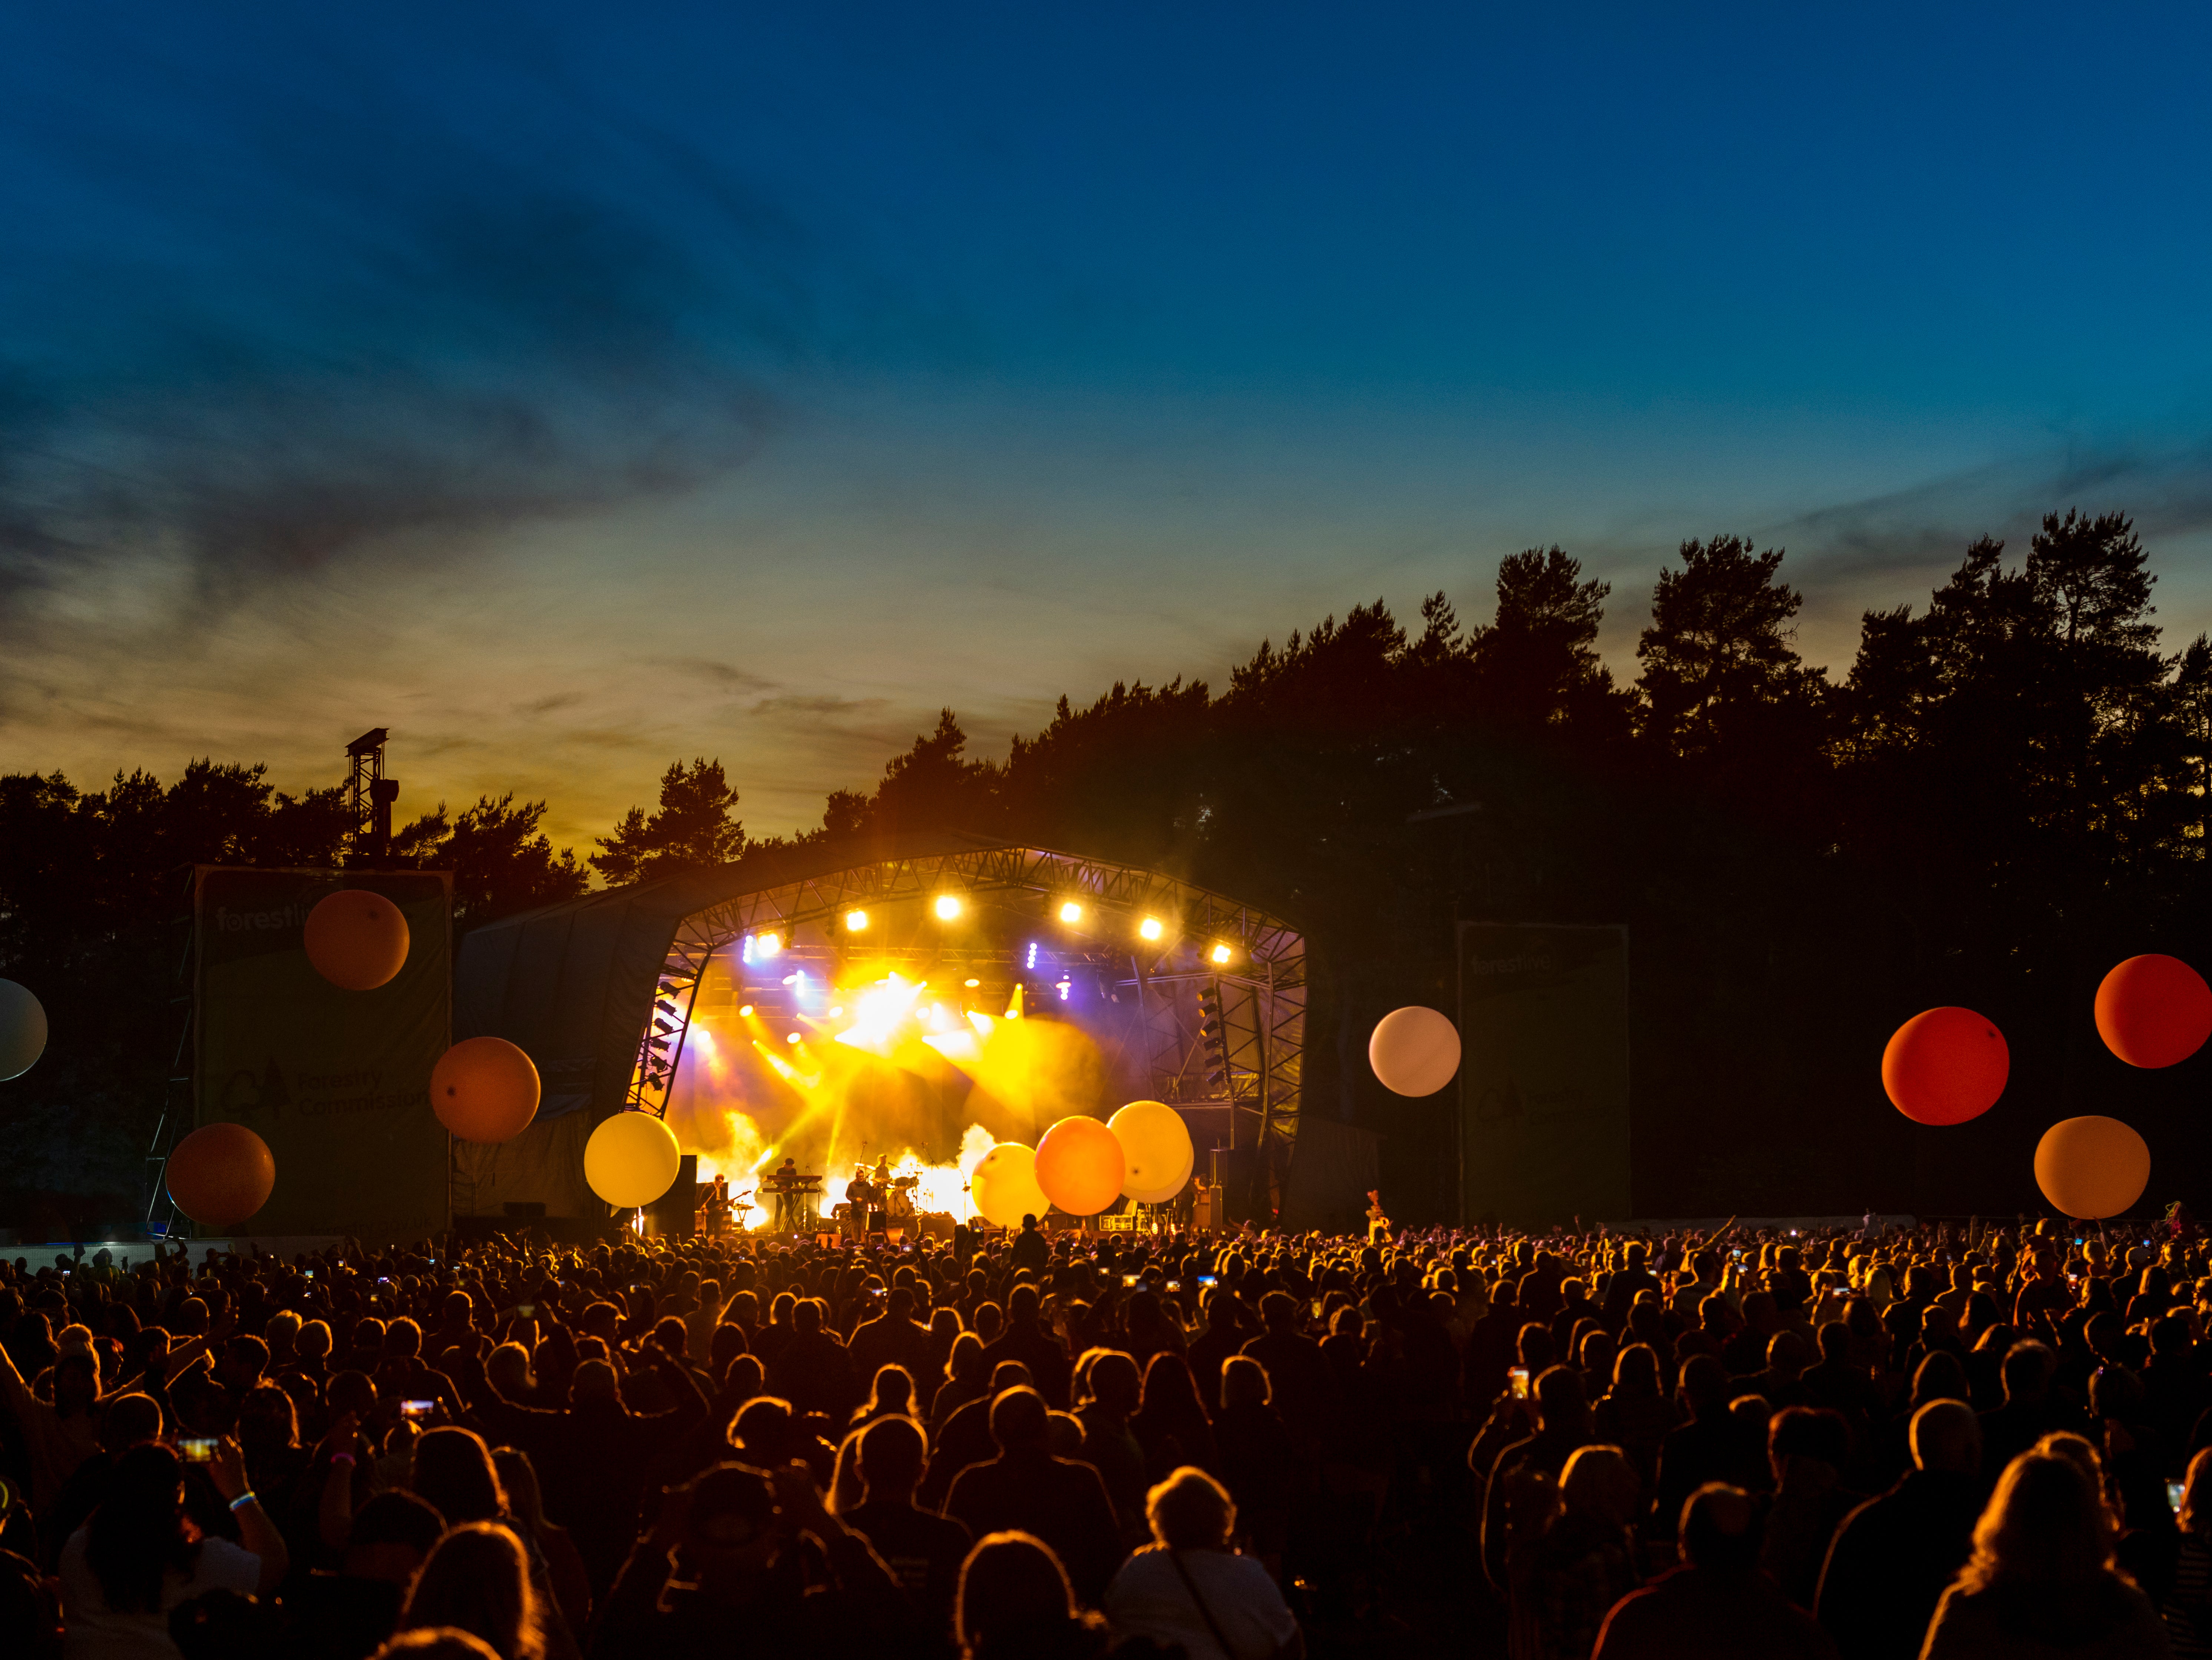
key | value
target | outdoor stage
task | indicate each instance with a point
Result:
(916, 1006)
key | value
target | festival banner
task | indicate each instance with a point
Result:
(336, 1082)
(1544, 1081)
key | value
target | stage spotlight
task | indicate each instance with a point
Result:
(1151, 928)
(1221, 953)
(745, 1008)
(975, 982)
(855, 921)
(1071, 912)
(948, 907)
(768, 944)
(791, 1037)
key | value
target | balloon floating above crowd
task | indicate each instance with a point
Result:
(1003, 1185)
(1945, 1065)
(1079, 1166)
(1157, 1156)
(2153, 1011)
(2093, 1167)
(356, 939)
(22, 1029)
(484, 1090)
(631, 1159)
(221, 1175)
(1414, 1051)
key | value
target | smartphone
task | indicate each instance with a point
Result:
(196, 1449)
(1317, 1307)
(1517, 1381)
(526, 1310)
(1206, 1282)
(384, 1279)
(1127, 1280)
(417, 1408)
(2174, 1490)
(310, 1273)
(1174, 1285)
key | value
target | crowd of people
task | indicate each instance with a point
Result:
(1943, 1441)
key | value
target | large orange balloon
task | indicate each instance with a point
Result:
(2153, 1011)
(220, 1175)
(356, 939)
(631, 1159)
(484, 1088)
(1079, 1166)
(1945, 1065)
(2091, 1168)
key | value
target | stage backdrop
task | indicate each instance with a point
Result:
(1544, 1073)
(338, 1083)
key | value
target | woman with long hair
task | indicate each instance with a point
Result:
(2041, 1580)
(141, 1554)
(549, 1543)
(1170, 1424)
(478, 1578)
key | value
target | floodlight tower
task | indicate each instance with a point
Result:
(370, 794)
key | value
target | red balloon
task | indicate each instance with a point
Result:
(1945, 1065)
(220, 1175)
(484, 1088)
(2153, 1011)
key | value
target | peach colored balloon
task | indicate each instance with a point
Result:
(220, 1175)
(1079, 1166)
(484, 1088)
(356, 939)
(1414, 1051)
(2091, 1168)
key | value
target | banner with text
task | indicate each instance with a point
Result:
(1544, 1101)
(338, 1083)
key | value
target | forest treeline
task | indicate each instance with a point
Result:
(2004, 793)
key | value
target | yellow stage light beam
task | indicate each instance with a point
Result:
(1150, 928)
(1071, 912)
(1222, 953)
(768, 944)
(856, 921)
(745, 1009)
(947, 907)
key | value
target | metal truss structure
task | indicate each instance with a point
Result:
(1262, 986)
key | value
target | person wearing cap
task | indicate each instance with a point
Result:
(723, 1572)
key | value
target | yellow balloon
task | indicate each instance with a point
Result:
(1079, 1166)
(1004, 1186)
(631, 1159)
(1157, 1154)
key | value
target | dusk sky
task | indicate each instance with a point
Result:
(570, 389)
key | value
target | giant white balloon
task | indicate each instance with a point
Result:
(22, 1029)
(1414, 1051)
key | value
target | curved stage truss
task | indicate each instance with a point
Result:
(1241, 1079)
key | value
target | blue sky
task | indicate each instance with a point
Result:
(569, 389)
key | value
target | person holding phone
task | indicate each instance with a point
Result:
(141, 1554)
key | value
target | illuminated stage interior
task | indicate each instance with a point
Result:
(923, 1009)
